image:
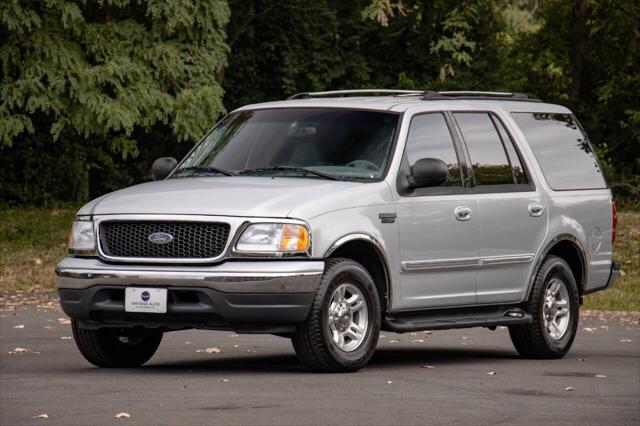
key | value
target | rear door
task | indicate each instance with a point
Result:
(512, 212)
(438, 225)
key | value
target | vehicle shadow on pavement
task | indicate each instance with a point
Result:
(283, 363)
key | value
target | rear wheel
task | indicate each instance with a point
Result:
(116, 347)
(341, 332)
(554, 306)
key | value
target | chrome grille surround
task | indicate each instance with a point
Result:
(185, 240)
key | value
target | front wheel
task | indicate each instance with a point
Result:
(116, 347)
(554, 306)
(341, 331)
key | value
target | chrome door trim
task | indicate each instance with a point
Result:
(507, 260)
(466, 263)
(438, 264)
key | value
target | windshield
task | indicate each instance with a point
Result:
(302, 142)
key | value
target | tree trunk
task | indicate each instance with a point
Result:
(579, 46)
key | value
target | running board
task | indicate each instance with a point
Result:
(443, 319)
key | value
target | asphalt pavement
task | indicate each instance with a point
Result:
(458, 377)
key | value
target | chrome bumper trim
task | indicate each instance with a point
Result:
(230, 277)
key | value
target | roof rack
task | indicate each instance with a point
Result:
(472, 94)
(425, 95)
(338, 93)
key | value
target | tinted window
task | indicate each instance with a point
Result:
(429, 137)
(563, 151)
(516, 164)
(341, 142)
(488, 157)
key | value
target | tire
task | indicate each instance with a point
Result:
(116, 347)
(540, 339)
(313, 340)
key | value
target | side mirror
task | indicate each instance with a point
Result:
(428, 172)
(162, 167)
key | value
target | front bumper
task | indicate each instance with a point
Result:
(253, 296)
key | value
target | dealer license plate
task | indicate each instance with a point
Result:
(150, 300)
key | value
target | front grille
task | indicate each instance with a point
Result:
(191, 240)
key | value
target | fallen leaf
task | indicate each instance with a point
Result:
(212, 350)
(122, 415)
(600, 376)
(224, 380)
(604, 327)
(199, 350)
(38, 261)
(394, 341)
(428, 333)
(588, 329)
(42, 416)
(491, 373)
(625, 340)
(63, 321)
(417, 341)
(569, 388)
(19, 326)
(428, 366)
(18, 350)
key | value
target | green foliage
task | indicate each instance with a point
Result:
(92, 91)
(97, 76)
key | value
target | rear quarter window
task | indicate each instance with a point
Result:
(562, 150)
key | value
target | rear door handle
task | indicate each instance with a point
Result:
(535, 209)
(463, 213)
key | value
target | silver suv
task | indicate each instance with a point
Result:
(330, 216)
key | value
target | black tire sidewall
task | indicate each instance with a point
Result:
(356, 275)
(558, 268)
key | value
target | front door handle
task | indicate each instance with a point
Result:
(535, 209)
(463, 213)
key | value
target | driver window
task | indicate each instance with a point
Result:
(429, 137)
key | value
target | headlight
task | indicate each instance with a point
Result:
(274, 238)
(82, 240)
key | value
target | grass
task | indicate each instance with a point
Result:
(32, 241)
(625, 294)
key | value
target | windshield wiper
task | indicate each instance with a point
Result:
(206, 169)
(294, 169)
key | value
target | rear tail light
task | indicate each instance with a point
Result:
(614, 210)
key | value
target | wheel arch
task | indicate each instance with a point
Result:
(570, 249)
(360, 247)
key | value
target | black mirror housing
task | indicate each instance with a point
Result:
(162, 167)
(428, 172)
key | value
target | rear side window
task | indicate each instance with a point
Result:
(488, 157)
(429, 137)
(562, 150)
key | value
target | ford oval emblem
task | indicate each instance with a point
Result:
(160, 238)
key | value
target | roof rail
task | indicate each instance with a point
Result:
(339, 93)
(477, 95)
(426, 95)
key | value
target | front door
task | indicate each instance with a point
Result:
(439, 235)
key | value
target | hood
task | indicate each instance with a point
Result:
(246, 196)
